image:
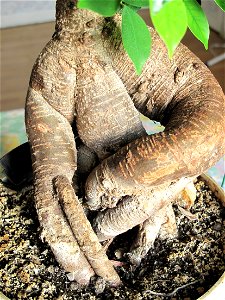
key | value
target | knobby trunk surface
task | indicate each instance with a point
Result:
(84, 88)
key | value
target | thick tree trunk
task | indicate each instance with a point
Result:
(84, 75)
(49, 111)
(184, 96)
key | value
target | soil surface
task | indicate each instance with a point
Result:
(181, 268)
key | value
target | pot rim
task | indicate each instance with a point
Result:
(218, 288)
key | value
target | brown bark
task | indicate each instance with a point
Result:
(132, 211)
(49, 160)
(83, 232)
(84, 72)
(106, 117)
(148, 231)
(186, 98)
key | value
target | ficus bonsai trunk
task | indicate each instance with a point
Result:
(84, 76)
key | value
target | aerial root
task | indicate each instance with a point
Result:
(57, 232)
(83, 232)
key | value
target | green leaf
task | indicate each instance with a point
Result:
(136, 37)
(197, 21)
(221, 4)
(158, 4)
(170, 21)
(106, 8)
(137, 3)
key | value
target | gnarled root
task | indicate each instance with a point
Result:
(146, 236)
(156, 211)
(168, 228)
(61, 240)
(164, 222)
(132, 211)
(83, 232)
(180, 93)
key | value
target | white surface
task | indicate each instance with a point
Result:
(20, 12)
(217, 290)
(215, 15)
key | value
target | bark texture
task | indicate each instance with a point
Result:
(85, 236)
(83, 75)
(148, 232)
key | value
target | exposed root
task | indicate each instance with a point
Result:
(173, 292)
(83, 232)
(169, 227)
(89, 76)
(132, 211)
(163, 223)
(187, 213)
(146, 236)
(57, 232)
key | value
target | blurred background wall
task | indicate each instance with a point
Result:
(26, 26)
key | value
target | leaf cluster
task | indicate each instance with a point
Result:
(171, 18)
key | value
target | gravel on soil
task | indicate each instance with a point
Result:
(180, 268)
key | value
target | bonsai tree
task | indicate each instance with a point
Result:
(82, 120)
